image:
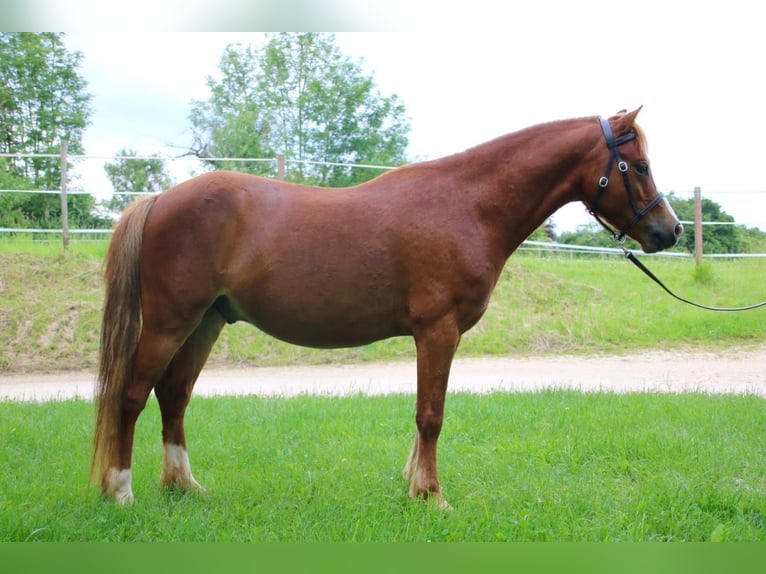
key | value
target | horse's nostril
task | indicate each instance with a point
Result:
(679, 230)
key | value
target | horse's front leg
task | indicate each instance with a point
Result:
(436, 347)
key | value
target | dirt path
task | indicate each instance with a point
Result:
(730, 371)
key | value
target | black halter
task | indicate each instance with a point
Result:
(614, 155)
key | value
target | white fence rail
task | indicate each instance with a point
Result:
(280, 162)
(567, 248)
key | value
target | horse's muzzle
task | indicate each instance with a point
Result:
(660, 237)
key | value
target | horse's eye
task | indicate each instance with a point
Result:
(642, 167)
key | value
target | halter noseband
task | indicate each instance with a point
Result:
(614, 155)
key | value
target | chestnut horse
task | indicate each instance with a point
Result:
(416, 251)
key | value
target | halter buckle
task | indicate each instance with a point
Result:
(603, 182)
(622, 166)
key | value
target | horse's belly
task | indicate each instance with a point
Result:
(332, 321)
(327, 340)
(334, 333)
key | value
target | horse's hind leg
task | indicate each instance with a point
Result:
(154, 351)
(173, 392)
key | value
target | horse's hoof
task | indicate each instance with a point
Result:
(116, 485)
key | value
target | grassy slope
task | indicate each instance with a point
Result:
(50, 311)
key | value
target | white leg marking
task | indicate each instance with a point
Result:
(176, 471)
(409, 468)
(117, 485)
(412, 473)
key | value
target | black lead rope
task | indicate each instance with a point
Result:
(634, 260)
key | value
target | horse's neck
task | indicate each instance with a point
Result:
(519, 180)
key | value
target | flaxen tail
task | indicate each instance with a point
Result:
(120, 331)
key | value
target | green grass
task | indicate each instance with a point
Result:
(50, 310)
(555, 465)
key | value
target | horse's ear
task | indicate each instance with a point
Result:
(623, 121)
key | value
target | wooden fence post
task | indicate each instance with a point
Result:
(281, 167)
(64, 211)
(698, 225)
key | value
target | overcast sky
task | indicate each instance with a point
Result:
(698, 72)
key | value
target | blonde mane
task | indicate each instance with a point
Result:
(643, 146)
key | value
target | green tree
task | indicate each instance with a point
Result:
(754, 240)
(546, 232)
(593, 235)
(42, 102)
(715, 238)
(132, 174)
(11, 204)
(298, 95)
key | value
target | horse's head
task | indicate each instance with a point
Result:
(625, 194)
